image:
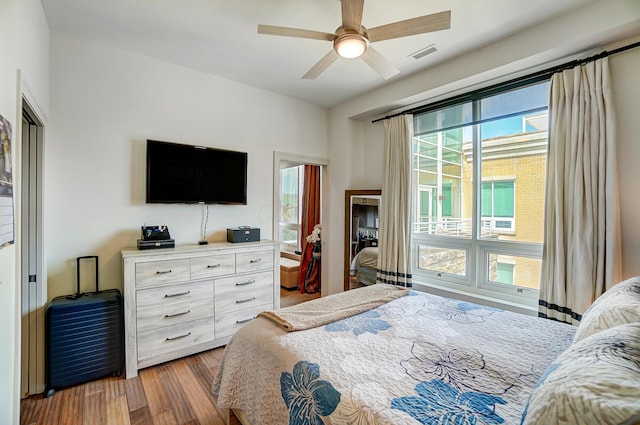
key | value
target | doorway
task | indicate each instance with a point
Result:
(288, 195)
(32, 274)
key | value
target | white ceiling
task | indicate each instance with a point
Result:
(220, 36)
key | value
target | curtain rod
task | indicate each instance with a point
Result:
(536, 76)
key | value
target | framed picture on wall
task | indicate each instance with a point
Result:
(6, 184)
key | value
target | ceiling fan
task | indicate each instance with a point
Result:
(353, 40)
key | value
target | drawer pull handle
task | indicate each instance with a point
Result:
(213, 266)
(163, 271)
(246, 283)
(238, 322)
(255, 261)
(173, 338)
(179, 294)
(168, 316)
(245, 301)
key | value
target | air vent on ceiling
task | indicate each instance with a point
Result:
(424, 52)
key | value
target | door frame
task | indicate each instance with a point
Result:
(282, 160)
(31, 337)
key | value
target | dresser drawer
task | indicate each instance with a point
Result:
(254, 261)
(156, 317)
(228, 324)
(241, 292)
(157, 272)
(213, 266)
(172, 338)
(166, 296)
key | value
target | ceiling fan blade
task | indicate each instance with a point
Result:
(352, 13)
(322, 64)
(294, 32)
(420, 25)
(379, 63)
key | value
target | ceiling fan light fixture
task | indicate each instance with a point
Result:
(351, 45)
(351, 39)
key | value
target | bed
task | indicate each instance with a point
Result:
(364, 266)
(384, 355)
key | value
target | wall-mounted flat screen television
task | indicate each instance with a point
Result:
(187, 174)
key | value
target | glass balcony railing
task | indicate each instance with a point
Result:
(461, 227)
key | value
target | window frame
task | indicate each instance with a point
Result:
(460, 281)
(476, 280)
(507, 248)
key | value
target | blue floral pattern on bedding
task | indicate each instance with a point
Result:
(420, 359)
(308, 398)
(439, 403)
(368, 321)
(461, 311)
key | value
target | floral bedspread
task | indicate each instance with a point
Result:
(420, 359)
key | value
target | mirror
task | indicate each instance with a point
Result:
(361, 223)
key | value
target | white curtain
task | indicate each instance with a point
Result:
(394, 242)
(581, 256)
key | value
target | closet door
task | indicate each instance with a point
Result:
(33, 284)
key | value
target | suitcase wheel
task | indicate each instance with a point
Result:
(49, 392)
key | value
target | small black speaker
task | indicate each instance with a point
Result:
(243, 234)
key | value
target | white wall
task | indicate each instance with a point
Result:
(24, 35)
(351, 131)
(626, 93)
(105, 103)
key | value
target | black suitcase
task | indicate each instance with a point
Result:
(83, 336)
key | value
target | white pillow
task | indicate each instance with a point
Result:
(595, 381)
(617, 306)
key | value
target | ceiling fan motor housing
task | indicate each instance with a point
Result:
(350, 43)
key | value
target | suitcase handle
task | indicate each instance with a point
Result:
(86, 257)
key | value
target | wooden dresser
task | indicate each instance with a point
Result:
(183, 300)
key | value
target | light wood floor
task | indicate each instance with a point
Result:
(173, 393)
(289, 298)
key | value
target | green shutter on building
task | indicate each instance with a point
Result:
(446, 202)
(503, 202)
(505, 273)
(486, 201)
(424, 205)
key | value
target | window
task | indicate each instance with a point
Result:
(479, 180)
(498, 201)
(291, 181)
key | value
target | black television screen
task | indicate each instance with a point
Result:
(186, 174)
